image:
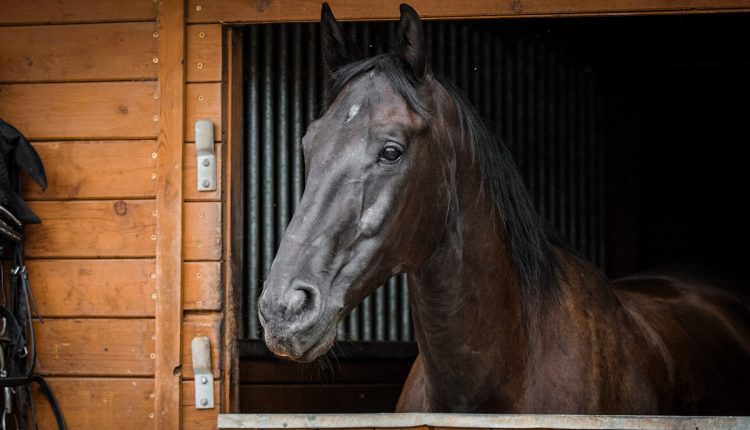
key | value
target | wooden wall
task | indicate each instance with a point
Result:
(101, 90)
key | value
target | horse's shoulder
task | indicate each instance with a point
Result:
(412, 397)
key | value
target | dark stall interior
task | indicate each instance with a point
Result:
(677, 106)
(629, 131)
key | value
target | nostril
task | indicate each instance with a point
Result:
(301, 299)
(298, 301)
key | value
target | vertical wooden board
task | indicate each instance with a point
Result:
(67, 11)
(204, 53)
(202, 286)
(208, 325)
(203, 101)
(169, 254)
(190, 179)
(99, 403)
(196, 419)
(90, 110)
(79, 52)
(103, 288)
(96, 229)
(109, 169)
(113, 347)
(202, 233)
(233, 219)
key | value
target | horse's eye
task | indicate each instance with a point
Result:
(390, 155)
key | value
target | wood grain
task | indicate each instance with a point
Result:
(203, 101)
(104, 169)
(314, 398)
(208, 325)
(203, 231)
(197, 419)
(87, 52)
(346, 371)
(93, 288)
(169, 254)
(240, 11)
(204, 53)
(68, 11)
(111, 347)
(190, 178)
(99, 403)
(126, 110)
(234, 216)
(94, 229)
(202, 286)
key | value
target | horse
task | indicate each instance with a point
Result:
(403, 177)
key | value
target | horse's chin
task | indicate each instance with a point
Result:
(301, 350)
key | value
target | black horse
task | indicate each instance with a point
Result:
(403, 177)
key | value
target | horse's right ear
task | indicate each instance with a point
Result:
(338, 48)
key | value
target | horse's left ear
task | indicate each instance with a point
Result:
(338, 48)
(411, 46)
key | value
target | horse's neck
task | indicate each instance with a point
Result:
(464, 299)
(479, 351)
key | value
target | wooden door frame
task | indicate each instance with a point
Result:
(233, 212)
(245, 12)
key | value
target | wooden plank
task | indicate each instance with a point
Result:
(234, 214)
(87, 52)
(424, 421)
(104, 169)
(286, 398)
(93, 288)
(94, 347)
(97, 110)
(240, 11)
(68, 11)
(203, 231)
(190, 178)
(204, 53)
(209, 325)
(203, 102)
(99, 403)
(202, 286)
(345, 371)
(196, 419)
(95, 229)
(169, 254)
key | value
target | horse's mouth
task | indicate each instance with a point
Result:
(295, 348)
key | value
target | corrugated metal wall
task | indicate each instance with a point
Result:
(529, 89)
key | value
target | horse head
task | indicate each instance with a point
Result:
(376, 196)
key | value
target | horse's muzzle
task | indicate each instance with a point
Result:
(289, 317)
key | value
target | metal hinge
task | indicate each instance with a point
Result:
(204, 379)
(205, 154)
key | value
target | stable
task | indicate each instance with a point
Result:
(625, 119)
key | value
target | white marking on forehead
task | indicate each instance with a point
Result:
(353, 111)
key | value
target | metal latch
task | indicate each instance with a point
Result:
(204, 152)
(204, 379)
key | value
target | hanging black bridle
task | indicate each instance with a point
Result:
(17, 343)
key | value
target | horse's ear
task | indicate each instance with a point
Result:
(411, 46)
(338, 48)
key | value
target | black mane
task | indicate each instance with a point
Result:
(530, 243)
